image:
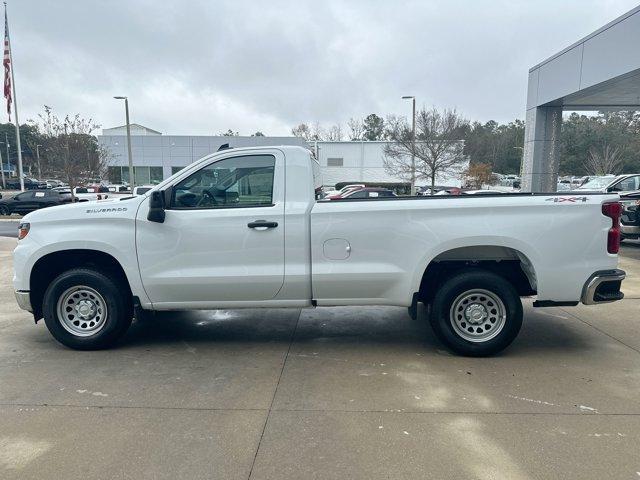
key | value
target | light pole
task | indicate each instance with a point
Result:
(413, 143)
(38, 157)
(126, 109)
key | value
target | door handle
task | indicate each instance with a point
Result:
(262, 224)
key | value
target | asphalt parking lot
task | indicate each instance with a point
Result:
(329, 393)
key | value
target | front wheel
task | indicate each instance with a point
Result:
(4, 210)
(476, 313)
(86, 310)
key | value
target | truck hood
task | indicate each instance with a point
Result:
(112, 207)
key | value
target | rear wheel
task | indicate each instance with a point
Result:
(4, 210)
(476, 313)
(86, 310)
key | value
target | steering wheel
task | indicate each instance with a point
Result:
(207, 194)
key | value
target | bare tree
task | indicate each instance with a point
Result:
(302, 131)
(604, 160)
(356, 129)
(438, 145)
(318, 133)
(229, 133)
(73, 153)
(334, 134)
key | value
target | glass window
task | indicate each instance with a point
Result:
(125, 174)
(233, 182)
(141, 175)
(24, 196)
(334, 162)
(358, 194)
(155, 175)
(114, 174)
(175, 170)
(626, 185)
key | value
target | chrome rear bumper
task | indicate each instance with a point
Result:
(24, 300)
(603, 287)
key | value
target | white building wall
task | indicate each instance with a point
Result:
(364, 162)
(361, 161)
(178, 151)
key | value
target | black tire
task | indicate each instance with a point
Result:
(4, 210)
(117, 303)
(449, 324)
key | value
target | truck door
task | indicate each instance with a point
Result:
(222, 239)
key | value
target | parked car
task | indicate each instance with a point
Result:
(54, 183)
(29, 184)
(427, 190)
(118, 188)
(88, 194)
(31, 200)
(630, 219)
(612, 184)
(367, 192)
(449, 191)
(213, 236)
(482, 192)
(343, 190)
(142, 189)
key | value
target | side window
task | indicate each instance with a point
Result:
(230, 183)
(24, 196)
(627, 185)
(359, 194)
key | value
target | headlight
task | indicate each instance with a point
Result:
(23, 230)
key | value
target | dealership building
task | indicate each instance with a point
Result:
(600, 72)
(157, 156)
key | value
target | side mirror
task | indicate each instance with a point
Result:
(156, 207)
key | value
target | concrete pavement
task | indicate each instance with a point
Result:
(8, 228)
(330, 393)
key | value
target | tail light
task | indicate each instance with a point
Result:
(23, 230)
(613, 210)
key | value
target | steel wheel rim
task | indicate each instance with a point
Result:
(477, 315)
(82, 311)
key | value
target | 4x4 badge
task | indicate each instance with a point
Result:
(566, 199)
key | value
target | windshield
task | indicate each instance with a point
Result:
(598, 182)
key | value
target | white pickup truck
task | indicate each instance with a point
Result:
(243, 228)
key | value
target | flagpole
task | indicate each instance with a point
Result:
(4, 185)
(15, 104)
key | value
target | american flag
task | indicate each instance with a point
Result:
(7, 66)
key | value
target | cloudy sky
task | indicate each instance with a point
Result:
(202, 67)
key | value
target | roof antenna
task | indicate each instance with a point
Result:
(224, 146)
